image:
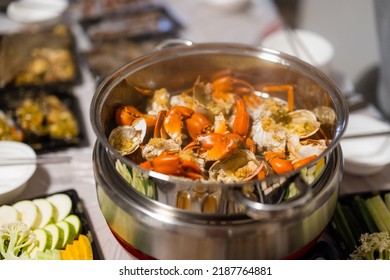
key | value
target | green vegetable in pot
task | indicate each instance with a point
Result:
(15, 238)
(373, 246)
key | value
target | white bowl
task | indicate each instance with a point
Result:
(14, 178)
(227, 5)
(306, 45)
(367, 155)
(32, 11)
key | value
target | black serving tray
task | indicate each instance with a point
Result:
(78, 209)
(10, 99)
(104, 58)
(144, 23)
(17, 50)
(331, 244)
(353, 218)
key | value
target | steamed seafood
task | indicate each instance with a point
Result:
(225, 130)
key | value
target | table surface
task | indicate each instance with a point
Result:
(256, 20)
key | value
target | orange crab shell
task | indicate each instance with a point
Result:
(172, 164)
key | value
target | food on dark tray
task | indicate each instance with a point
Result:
(44, 57)
(362, 222)
(47, 66)
(90, 9)
(52, 227)
(47, 115)
(47, 119)
(8, 129)
(106, 57)
(144, 23)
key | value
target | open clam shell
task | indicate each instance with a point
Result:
(239, 166)
(303, 122)
(127, 138)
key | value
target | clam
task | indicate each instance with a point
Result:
(127, 138)
(241, 165)
(325, 114)
(303, 122)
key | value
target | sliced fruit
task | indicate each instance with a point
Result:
(57, 236)
(8, 214)
(62, 204)
(73, 251)
(80, 249)
(46, 209)
(44, 240)
(69, 233)
(86, 252)
(30, 214)
(75, 221)
(65, 255)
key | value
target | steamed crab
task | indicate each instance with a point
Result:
(223, 131)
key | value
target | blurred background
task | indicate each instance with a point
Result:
(349, 26)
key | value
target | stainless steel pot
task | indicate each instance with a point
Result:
(150, 229)
(217, 221)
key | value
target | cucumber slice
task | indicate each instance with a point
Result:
(75, 221)
(48, 255)
(69, 233)
(56, 255)
(30, 214)
(44, 240)
(8, 214)
(62, 204)
(46, 209)
(57, 236)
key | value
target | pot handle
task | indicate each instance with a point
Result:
(276, 211)
(173, 42)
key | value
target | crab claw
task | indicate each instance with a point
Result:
(241, 121)
(213, 146)
(173, 164)
(128, 115)
(198, 124)
(195, 123)
(278, 162)
(173, 121)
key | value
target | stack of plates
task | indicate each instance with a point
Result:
(366, 155)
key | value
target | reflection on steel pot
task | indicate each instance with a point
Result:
(286, 209)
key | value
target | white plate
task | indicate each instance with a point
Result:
(30, 11)
(306, 45)
(365, 156)
(229, 5)
(13, 179)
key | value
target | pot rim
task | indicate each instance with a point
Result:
(159, 55)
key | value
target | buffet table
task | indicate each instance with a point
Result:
(244, 26)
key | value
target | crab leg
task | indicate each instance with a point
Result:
(288, 88)
(278, 163)
(173, 165)
(241, 121)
